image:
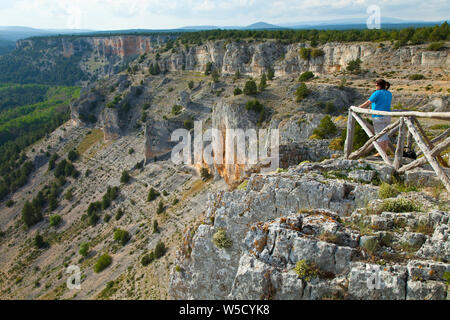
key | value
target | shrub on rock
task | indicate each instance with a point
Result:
(221, 240)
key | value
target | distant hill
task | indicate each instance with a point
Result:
(262, 25)
(16, 33)
(9, 35)
(337, 24)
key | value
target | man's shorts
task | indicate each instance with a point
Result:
(379, 123)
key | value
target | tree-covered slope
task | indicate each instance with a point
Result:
(25, 124)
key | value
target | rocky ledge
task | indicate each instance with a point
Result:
(308, 233)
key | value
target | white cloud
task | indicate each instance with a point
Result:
(159, 14)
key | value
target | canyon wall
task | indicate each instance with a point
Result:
(254, 58)
(248, 57)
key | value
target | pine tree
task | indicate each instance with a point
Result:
(28, 214)
(160, 208)
(270, 73)
(263, 82)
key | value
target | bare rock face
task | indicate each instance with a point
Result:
(231, 115)
(85, 106)
(392, 282)
(254, 58)
(184, 99)
(439, 104)
(110, 120)
(270, 227)
(157, 138)
(295, 145)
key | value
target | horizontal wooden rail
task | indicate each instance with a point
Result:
(399, 113)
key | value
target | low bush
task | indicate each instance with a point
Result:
(55, 220)
(215, 75)
(399, 205)
(176, 109)
(237, 91)
(270, 73)
(306, 270)
(160, 208)
(305, 76)
(371, 246)
(147, 259)
(250, 88)
(302, 92)
(125, 178)
(72, 155)
(208, 68)
(84, 249)
(121, 236)
(325, 129)
(254, 105)
(221, 240)
(152, 194)
(39, 241)
(387, 190)
(103, 262)
(416, 76)
(436, 46)
(305, 53)
(317, 53)
(354, 66)
(329, 107)
(263, 82)
(159, 251)
(119, 214)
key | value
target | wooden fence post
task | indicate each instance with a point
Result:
(348, 146)
(400, 143)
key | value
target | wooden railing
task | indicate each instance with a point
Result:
(408, 127)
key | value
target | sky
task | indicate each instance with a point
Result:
(163, 14)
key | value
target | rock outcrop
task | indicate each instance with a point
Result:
(278, 220)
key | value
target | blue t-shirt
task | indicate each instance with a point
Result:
(381, 101)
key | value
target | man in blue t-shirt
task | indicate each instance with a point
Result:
(381, 101)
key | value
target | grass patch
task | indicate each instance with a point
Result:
(243, 185)
(387, 190)
(392, 190)
(441, 126)
(424, 228)
(89, 140)
(371, 246)
(109, 290)
(399, 206)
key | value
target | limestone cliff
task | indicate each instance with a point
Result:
(280, 220)
(254, 58)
